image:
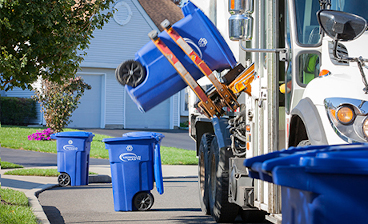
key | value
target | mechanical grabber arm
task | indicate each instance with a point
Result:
(222, 95)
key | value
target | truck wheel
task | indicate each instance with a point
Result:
(221, 209)
(304, 143)
(143, 201)
(64, 179)
(253, 216)
(203, 172)
(130, 73)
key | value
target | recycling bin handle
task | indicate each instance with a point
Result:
(158, 168)
(294, 159)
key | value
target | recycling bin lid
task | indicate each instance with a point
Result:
(144, 134)
(126, 138)
(335, 159)
(73, 134)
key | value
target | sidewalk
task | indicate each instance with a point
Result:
(33, 185)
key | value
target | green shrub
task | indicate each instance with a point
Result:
(60, 100)
(17, 111)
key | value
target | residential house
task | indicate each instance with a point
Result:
(107, 105)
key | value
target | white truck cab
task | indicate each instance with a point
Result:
(314, 52)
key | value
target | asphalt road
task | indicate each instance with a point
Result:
(94, 203)
(35, 159)
(173, 138)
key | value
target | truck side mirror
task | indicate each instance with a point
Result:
(341, 26)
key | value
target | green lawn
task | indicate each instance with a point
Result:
(8, 165)
(14, 207)
(16, 137)
(36, 172)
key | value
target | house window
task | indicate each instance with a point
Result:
(184, 102)
(123, 13)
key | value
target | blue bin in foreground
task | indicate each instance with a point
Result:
(135, 163)
(162, 80)
(319, 184)
(73, 157)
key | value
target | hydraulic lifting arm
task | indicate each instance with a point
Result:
(224, 95)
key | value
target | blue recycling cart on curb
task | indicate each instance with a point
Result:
(135, 163)
(319, 184)
(73, 150)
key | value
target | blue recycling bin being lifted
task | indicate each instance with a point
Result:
(161, 79)
(73, 150)
(135, 163)
(319, 184)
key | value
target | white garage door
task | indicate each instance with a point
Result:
(156, 118)
(88, 113)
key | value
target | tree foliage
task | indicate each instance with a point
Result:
(44, 37)
(60, 101)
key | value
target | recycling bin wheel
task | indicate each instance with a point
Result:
(143, 201)
(130, 73)
(64, 179)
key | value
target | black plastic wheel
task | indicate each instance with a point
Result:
(203, 172)
(253, 216)
(221, 209)
(143, 201)
(130, 73)
(64, 179)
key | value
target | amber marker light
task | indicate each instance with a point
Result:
(324, 72)
(333, 113)
(345, 115)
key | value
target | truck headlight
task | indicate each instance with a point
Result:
(345, 115)
(349, 118)
(365, 127)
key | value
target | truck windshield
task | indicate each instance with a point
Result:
(357, 7)
(306, 22)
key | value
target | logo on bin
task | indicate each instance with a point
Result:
(129, 148)
(129, 157)
(202, 42)
(70, 148)
(195, 46)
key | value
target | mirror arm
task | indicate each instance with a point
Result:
(282, 51)
(335, 51)
(360, 62)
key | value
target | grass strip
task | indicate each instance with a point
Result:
(175, 156)
(16, 137)
(36, 172)
(14, 207)
(9, 165)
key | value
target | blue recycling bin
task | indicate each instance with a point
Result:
(73, 150)
(319, 184)
(135, 164)
(162, 80)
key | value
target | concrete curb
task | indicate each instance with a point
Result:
(35, 204)
(99, 179)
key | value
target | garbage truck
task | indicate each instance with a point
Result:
(299, 80)
(309, 88)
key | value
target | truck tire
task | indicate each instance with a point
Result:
(304, 143)
(203, 172)
(253, 216)
(221, 209)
